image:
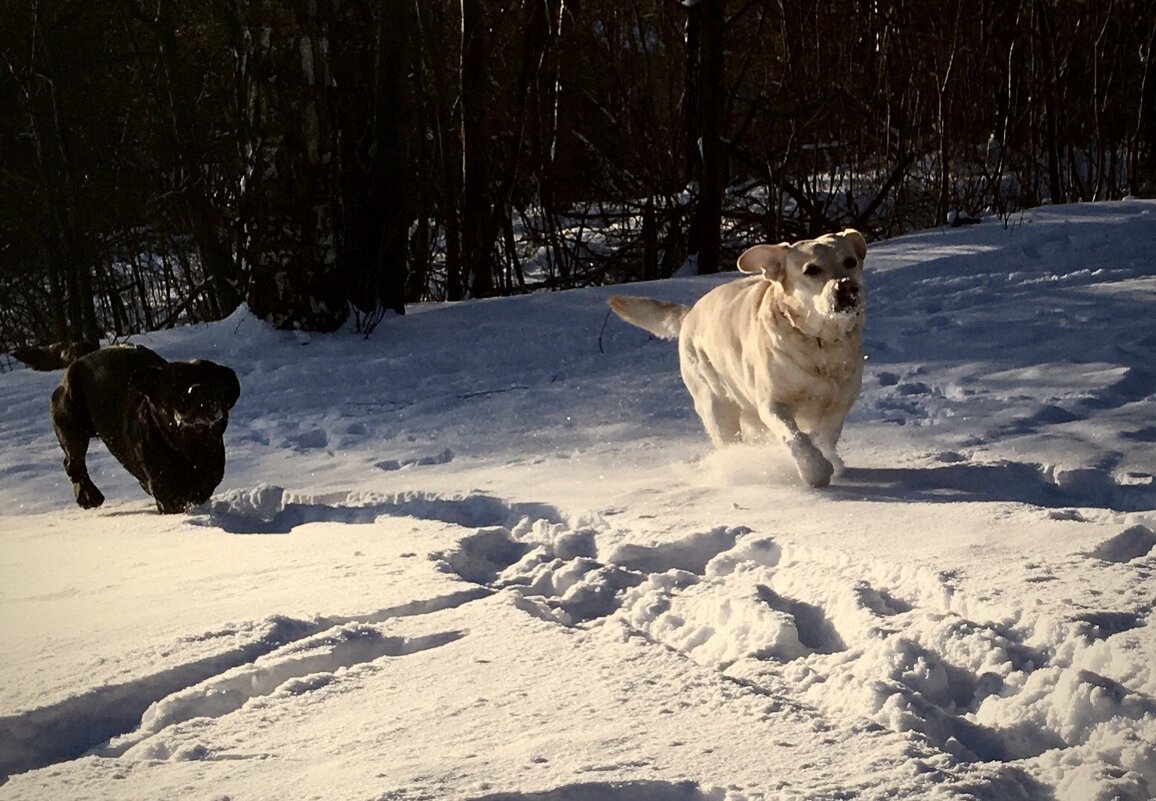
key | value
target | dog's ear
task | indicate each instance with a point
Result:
(231, 385)
(857, 240)
(770, 260)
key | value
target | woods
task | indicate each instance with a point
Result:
(165, 162)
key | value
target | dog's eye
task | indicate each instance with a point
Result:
(850, 263)
(812, 270)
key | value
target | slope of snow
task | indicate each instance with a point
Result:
(488, 553)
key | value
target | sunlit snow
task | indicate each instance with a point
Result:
(488, 553)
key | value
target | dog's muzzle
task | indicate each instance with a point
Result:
(846, 295)
(204, 419)
(201, 410)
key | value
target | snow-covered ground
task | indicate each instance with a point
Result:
(488, 553)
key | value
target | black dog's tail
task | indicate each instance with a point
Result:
(54, 356)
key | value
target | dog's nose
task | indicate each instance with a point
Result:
(846, 294)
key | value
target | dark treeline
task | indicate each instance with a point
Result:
(166, 161)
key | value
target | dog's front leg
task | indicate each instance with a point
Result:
(826, 441)
(814, 468)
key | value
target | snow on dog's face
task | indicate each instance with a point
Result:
(819, 281)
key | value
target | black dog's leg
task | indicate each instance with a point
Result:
(74, 430)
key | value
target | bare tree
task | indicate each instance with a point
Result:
(705, 109)
(162, 161)
(289, 205)
(372, 54)
(476, 206)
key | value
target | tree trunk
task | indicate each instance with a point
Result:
(290, 214)
(1144, 161)
(476, 206)
(1051, 109)
(649, 242)
(706, 29)
(391, 168)
(210, 228)
(376, 196)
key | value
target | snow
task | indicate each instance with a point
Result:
(488, 553)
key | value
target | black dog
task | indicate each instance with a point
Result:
(164, 421)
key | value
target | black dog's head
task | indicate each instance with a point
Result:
(189, 397)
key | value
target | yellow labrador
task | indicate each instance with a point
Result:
(779, 351)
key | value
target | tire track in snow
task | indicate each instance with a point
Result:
(279, 649)
(615, 791)
(288, 656)
(69, 728)
(303, 666)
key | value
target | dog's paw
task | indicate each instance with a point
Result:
(174, 508)
(837, 464)
(88, 496)
(814, 467)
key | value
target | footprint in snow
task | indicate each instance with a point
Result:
(564, 579)
(815, 631)
(881, 602)
(444, 457)
(702, 595)
(1102, 625)
(308, 440)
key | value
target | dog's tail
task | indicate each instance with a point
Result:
(55, 356)
(658, 317)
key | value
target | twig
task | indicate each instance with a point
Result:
(605, 320)
(485, 392)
